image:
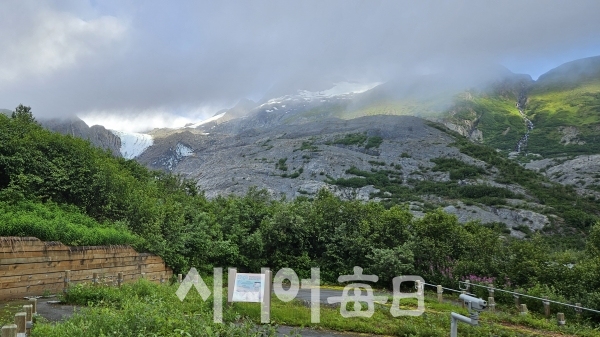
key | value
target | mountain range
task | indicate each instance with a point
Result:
(396, 142)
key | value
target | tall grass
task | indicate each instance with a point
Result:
(146, 309)
(51, 222)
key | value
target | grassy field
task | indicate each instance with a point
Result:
(147, 309)
(8, 310)
(434, 322)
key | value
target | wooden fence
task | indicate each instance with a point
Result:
(31, 267)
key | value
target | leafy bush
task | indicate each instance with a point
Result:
(359, 139)
(374, 142)
(489, 195)
(457, 168)
(307, 146)
(499, 227)
(522, 228)
(352, 139)
(377, 178)
(281, 164)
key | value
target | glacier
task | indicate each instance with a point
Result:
(133, 144)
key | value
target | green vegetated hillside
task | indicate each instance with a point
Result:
(407, 107)
(495, 116)
(564, 105)
(491, 110)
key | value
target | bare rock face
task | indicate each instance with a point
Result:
(466, 128)
(97, 134)
(570, 134)
(513, 218)
(583, 172)
(105, 139)
(476, 136)
(531, 219)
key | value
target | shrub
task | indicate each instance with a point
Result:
(374, 141)
(352, 139)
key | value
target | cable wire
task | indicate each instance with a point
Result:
(433, 285)
(515, 294)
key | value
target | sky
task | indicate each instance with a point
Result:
(136, 65)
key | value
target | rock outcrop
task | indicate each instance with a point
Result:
(96, 134)
(582, 172)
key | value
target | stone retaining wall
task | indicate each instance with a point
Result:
(31, 267)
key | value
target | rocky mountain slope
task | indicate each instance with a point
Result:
(224, 162)
(392, 159)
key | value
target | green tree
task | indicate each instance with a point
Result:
(23, 114)
(388, 263)
(287, 238)
(439, 243)
(593, 241)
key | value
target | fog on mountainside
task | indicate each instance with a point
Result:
(135, 68)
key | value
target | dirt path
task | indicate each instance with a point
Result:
(306, 332)
(532, 330)
(54, 312)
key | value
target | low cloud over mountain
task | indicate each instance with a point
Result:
(190, 59)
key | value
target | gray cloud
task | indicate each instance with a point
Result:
(139, 58)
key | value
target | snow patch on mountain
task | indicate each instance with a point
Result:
(213, 118)
(339, 89)
(133, 144)
(179, 152)
(183, 151)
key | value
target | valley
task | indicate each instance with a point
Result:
(309, 178)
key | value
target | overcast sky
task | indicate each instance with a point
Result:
(163, 63)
